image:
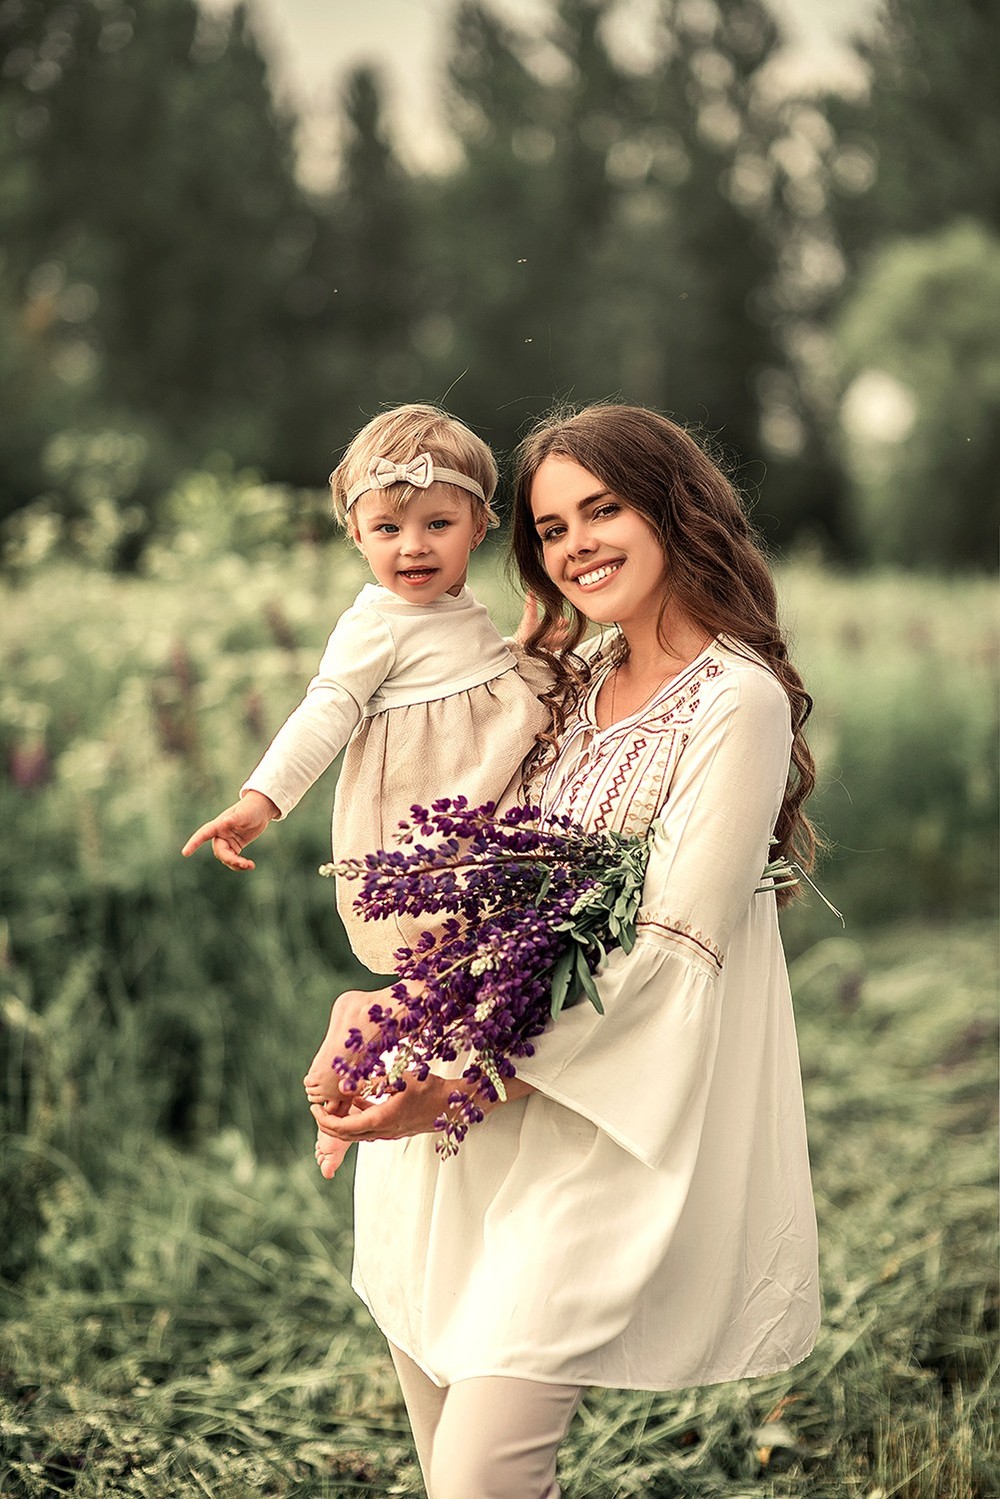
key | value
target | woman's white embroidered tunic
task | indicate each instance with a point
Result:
(645, 1219)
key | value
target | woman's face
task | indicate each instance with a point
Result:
(602, 555)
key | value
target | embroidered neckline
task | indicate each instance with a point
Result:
(588, 716)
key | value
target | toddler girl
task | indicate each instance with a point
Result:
(415, 679)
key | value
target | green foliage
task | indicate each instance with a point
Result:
(919, 349)
(905, 735)
(604, 229)
(920, 125)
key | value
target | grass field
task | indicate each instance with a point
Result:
(176, 1313)
(187, 1326)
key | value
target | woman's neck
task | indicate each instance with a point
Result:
(655, 648)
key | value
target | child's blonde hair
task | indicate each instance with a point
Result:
(403, 433)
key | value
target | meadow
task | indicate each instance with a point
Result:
(177, 1318)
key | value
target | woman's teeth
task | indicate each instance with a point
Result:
(598, 574)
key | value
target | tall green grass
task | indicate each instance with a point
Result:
(185, 1326)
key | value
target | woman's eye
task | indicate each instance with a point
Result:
(551, 533)
(609, 509)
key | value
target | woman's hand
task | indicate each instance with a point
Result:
(554, 640)
(412, 1112)
(234, 828)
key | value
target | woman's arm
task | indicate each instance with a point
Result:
(641, 1072)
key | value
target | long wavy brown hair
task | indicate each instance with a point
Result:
(716, 568)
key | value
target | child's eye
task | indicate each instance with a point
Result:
(439, 525)
(387, 527)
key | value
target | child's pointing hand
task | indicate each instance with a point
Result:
(234, 828)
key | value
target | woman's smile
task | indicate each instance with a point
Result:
(595, 576)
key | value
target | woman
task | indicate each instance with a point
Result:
(638, 1214)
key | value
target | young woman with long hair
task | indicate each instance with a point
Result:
(638, 1213)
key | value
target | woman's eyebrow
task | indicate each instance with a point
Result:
(602, 494)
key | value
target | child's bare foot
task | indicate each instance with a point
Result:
(321, 1083)
(330, 1153)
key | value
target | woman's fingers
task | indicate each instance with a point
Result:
(354, 1125)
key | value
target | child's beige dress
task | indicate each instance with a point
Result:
(430, 701)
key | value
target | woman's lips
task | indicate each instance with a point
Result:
(595, 576)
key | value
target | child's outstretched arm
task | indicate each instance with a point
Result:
(234, 828)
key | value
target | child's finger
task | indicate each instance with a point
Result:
(204, 833)
(229, 853)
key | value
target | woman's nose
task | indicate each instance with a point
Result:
(579, 543)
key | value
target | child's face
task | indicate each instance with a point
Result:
(421, 551)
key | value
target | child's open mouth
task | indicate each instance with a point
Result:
(418, 574)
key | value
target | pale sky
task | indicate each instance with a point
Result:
(313, 44)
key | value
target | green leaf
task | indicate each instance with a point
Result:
(586, 979)
(560, 980)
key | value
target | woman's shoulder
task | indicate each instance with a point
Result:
(737, 672)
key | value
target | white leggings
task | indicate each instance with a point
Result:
(489, 1438)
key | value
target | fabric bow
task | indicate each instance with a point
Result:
(418, 472)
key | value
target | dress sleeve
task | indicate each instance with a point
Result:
(358, 658)
(641, 1072)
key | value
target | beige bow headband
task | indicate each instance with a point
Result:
(420, 472)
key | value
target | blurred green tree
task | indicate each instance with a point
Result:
(598, 239)
(358, 296)
(913, 167)
(922, 146)
(148, 187)
(919, 345)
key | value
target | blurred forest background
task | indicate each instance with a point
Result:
(189, 334)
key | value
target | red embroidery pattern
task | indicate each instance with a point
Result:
(682, 932)
(623, 779)
(613, 792)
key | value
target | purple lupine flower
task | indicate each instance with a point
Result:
(531, 904)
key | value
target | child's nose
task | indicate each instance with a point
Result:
(413, 545)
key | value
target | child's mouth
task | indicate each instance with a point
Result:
(417, 574)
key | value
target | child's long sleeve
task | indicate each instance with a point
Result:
(359, 655)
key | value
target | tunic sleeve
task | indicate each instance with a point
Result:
(359, 656)
(641, 1072)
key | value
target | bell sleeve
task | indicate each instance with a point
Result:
(358, 658)
(641, 1071)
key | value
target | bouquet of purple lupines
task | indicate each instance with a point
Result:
(532, 903)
